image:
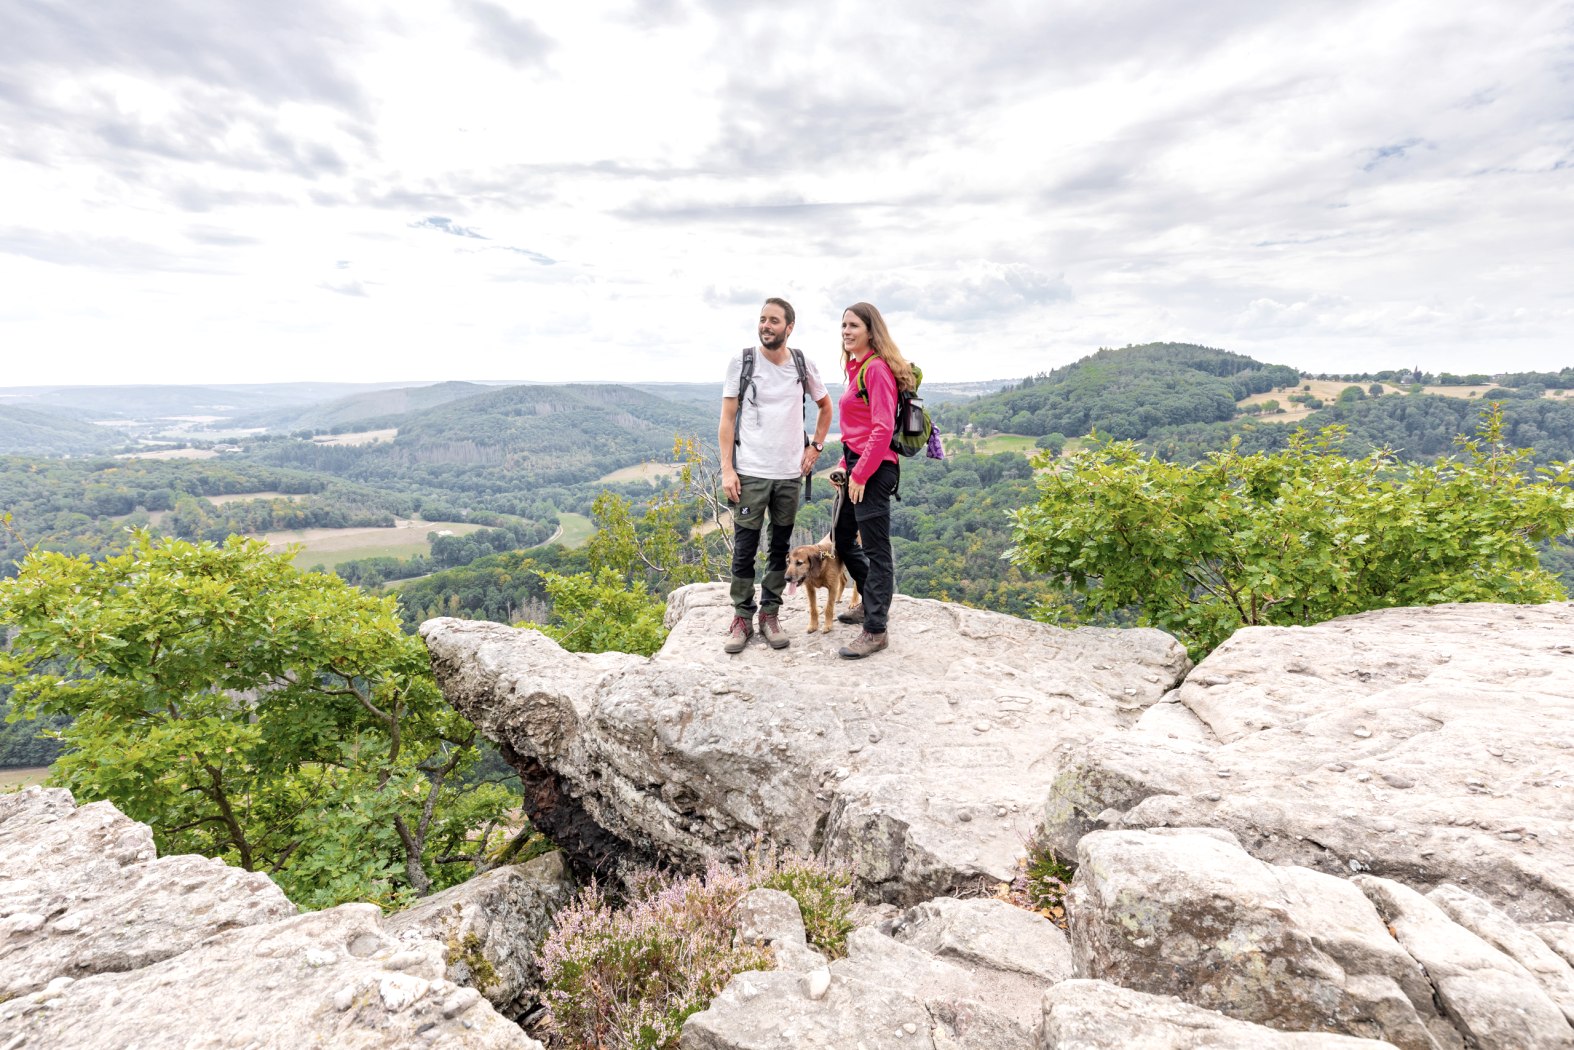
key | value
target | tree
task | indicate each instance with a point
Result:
(636, 560)
(245, 710)
(1295, 536)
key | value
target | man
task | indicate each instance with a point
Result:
(764, 460)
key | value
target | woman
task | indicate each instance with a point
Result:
(862, 530)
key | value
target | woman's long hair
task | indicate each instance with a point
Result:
(882, 343)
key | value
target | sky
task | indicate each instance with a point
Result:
(218, 191)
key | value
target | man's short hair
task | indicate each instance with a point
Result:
(787, 311)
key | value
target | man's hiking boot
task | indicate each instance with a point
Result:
(771, 628)
(738, 635)
(863, 645)
(853, 614)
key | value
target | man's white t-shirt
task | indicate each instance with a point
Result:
(772, 427)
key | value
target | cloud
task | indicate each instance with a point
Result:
(444, 225)
(120, 254)
(535, 257)
(970, 292)
(516, 40)
(352, 288)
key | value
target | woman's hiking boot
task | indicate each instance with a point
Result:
(771, 628)
(863, 645)
(853, 614)
(738, 635)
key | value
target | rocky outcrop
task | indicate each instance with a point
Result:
(1427, 746)
(1358, 833)
(490, 928)
(922, 769)
(104, 944)
(82, 892)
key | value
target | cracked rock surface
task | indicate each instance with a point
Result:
(1427, 746)
(922, 768)
(208, 956)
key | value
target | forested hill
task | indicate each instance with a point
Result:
(40, 432)
(362, 410)
(1124, 393)
(514, 437)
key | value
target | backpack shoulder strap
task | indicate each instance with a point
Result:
(803, 369)
(745, 381)
(746, 371)
(863, 380)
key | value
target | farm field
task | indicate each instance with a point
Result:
(238, 497)
(988, 446)
(330, 547)
(641, 472)
(172, 453)
(575, 530)
(360, 437)
(11, 779)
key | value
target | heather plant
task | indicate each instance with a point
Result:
(825, 897)
(627, 978)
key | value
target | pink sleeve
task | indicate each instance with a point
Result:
(882, 420)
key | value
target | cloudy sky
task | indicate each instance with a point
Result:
(228, 191)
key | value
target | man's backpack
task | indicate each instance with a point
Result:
(914, 431)
(746, 382)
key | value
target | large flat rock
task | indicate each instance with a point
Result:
(105, 944)
(922, 768)
(1428, 746)
(82, 891)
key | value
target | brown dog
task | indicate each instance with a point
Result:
(817, 567)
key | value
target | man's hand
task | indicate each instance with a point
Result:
(731, 486)
(811, 455)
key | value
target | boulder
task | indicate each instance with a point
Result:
(1096, 1015)
(1494, 1001)
(490, 927)
(102, 941)
(82, 892)
(957, 974)
(330, 978)
(771, 919)
(1428, 746)
(1188, 913)
(921, 769)
(1550, 970)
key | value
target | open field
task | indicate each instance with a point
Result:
(330, 547)
(641, 472)
(172, 453)
(237, 497)
(575, 530)
(361, 437)
(10, 779)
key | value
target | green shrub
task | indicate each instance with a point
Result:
(825, 897)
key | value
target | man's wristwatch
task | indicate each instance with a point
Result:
(818, 446)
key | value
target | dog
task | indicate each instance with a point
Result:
(816, 566)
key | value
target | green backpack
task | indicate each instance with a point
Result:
(913, 429)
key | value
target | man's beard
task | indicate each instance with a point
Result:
(770, 340)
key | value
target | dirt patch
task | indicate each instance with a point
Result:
(11, 779)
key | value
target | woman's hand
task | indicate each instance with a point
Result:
(855, 491)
